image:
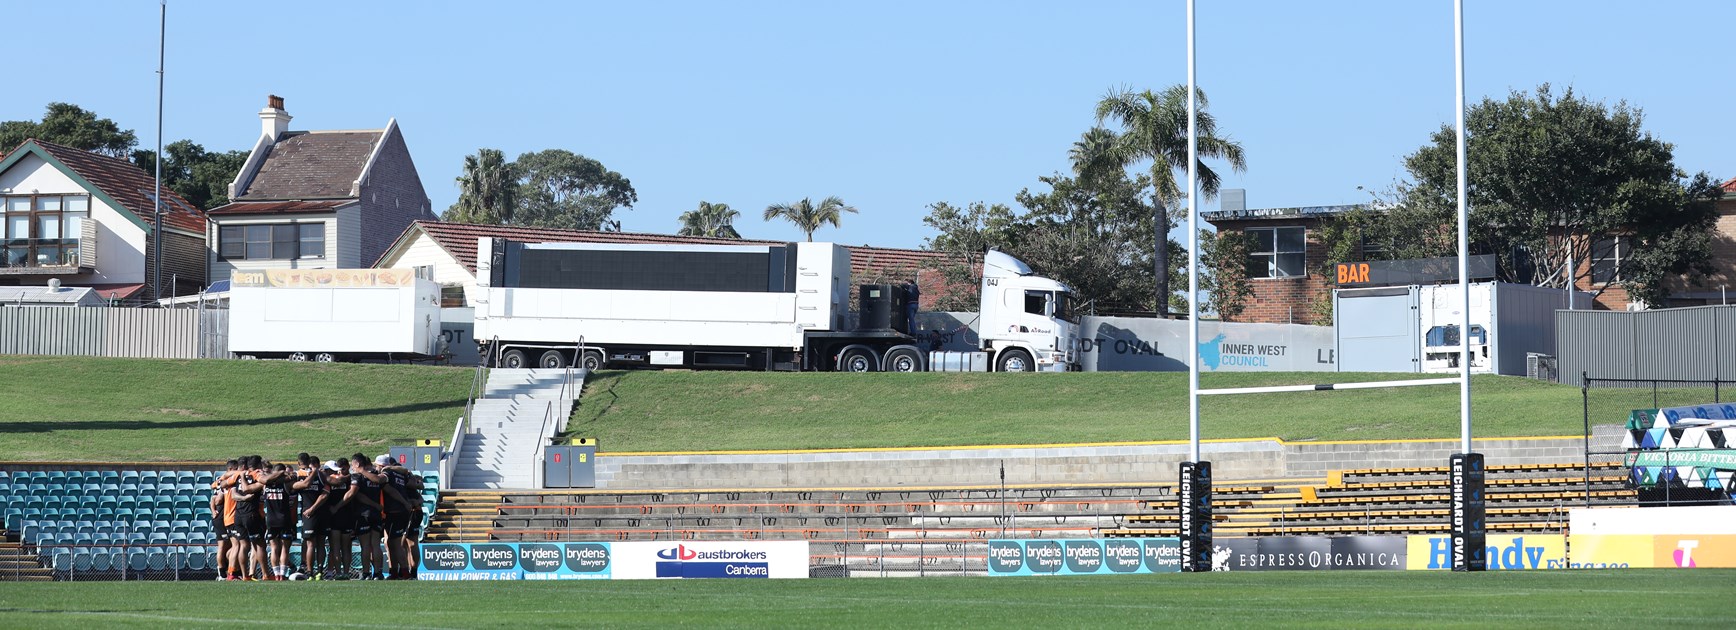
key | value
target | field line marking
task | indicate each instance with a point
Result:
(229, 620)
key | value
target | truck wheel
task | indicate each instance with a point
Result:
(325, 357)
(856, 360)
(903, 360)
(1015, 360)
(552, 359)
(248, 357)
(513, 359)
(297, 356)
(593, 360)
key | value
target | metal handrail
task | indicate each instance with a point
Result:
(542, 444)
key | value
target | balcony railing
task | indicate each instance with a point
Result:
(47, 255)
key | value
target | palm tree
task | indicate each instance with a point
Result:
(710, 219)
(809, 217)
(487, 189)
(1154, 128)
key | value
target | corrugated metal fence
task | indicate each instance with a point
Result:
(1695, 343)
(115, 332)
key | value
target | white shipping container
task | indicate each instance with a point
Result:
(350, 313)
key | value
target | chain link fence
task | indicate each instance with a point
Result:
(1610, 401)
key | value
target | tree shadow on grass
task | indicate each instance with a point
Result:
(49, 426)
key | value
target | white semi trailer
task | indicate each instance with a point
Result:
(764, 307)
(333, 314)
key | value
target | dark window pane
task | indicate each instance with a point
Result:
(258, 251)
(1034, 302)
(1261, 241)
(313, 240)
(232, 249)
(312, 231)
(1290, 265)
(1290, 240)
(258, 233)
(1260, 266)
(1603, 270)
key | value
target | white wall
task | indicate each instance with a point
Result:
(220, 269)
(424, 252)
(120, 243)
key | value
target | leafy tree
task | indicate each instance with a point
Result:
(1097, 236)
(965, 235)
(710, 219)
(1154, 128)
(199, 176)
(808, 217)
(70, 125)
(487, 190)
(1224, 258)
(1549, 177)
(561, 189)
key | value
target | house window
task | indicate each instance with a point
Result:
(42, 230)
(1276, 252)
(280, 241)
(1607, 255)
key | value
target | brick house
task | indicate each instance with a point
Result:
(88, 220)
(316, 199)
(450, 250)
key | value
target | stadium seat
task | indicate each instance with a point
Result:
(137, 560)
(157, 559)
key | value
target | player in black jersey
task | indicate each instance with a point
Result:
(250, 518)
(311, 487)
(365, 490)
(280, 519)
(399, 509)
(341, 520)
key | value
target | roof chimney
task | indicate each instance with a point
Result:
(273, 120)
(1233, 200)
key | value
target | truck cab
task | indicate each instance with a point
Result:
(1028, 321)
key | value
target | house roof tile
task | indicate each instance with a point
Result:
(279, 207)
(305, 165)
(128, 185)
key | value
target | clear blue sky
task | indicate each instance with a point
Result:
(890, 105)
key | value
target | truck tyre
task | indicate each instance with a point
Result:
(856, 360)
(513, 359)
(297, 356)
(593, 360)
(903, 359)
(325, 357)
(1015, 360)
(552, 359)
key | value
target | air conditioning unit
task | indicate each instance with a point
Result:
(1540, 366)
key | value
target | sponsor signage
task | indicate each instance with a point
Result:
(709, 559)
(1664, 551)
(1507, 552)
(1720, 458)
(322, 278)
(1084, 556)
(515, 561)
(1466, 504)
(1310, 553)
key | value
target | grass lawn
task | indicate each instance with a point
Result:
(1635, 598)
(88, 409)
(657, 411)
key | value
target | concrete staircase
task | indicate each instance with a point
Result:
(507, 424)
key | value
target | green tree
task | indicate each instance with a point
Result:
(70, 125)
(1154, 129)
(1097, 236)
(487, 190)
(199, 176)
(561, 189)
(965, 234)
(710, 219)
(808, 217)
(1549, 178)
(1224, 259)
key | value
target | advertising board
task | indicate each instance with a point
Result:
(709, 559)
(1309, 553)
(1526, 551)
(1114, 556)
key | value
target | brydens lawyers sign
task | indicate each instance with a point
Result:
(622, 560)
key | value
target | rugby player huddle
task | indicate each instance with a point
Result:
(256, 506)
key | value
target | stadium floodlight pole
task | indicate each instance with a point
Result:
(1193, 272)
(157, 199)
(1464, 234)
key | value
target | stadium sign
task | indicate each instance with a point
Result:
(1310, 553)
(1084, 557)
(709, 559)
(515, 561)
(1528, 551)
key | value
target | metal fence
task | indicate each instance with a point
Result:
(1626, 349)
(1609, 401)
(98, 562)
(115, 332)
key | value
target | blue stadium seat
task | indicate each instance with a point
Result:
(157, 559)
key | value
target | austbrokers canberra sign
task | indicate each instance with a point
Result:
(621, 560)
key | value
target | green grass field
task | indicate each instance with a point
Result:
(658, 411)
(1636, 598)
(84, 409)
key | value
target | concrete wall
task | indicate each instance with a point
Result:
(1113, 463)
